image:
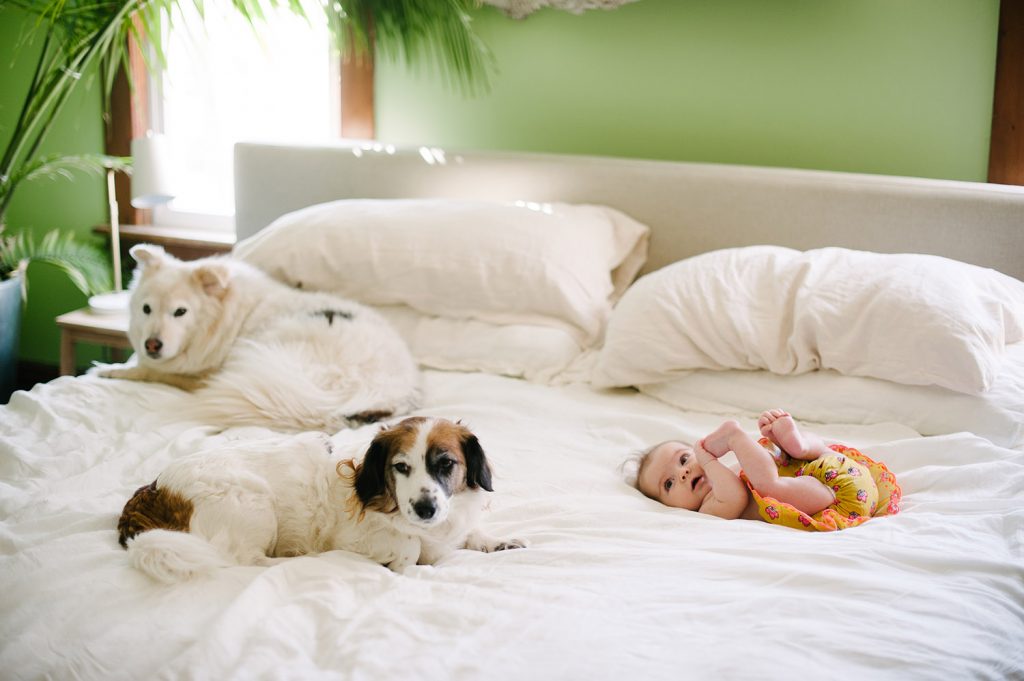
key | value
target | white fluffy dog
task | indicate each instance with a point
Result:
(416, 496)
(260, 353)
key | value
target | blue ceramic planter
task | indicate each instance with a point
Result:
(10, 328)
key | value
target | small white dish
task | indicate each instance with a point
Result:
(109, 303)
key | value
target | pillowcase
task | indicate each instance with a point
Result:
(827, 396)
(536, 353)
(555, 265)
(907, 318)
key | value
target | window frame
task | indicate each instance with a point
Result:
(130, 116)
(1006, 146)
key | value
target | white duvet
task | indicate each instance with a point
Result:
(613, 586)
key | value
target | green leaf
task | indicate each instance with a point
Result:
(438, 31)
(85, 265)
(56, 166)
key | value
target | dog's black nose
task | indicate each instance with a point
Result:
(153, 346)
(424, 509)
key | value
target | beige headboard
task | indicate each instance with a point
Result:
(691, 207)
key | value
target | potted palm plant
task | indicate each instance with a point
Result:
(83, 39)
(84, 264)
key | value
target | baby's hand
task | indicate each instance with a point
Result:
(703, 455)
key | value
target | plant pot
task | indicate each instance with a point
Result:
(10, 333)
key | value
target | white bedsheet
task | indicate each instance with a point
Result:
(614, 586)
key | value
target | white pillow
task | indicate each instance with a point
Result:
(913, 319)
(537, 353)
(827, 396)
(555, 265)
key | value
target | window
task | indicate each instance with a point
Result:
(226, 82)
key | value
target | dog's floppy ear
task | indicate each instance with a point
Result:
(371, 480)
(478, 471)
(214, 277)
(148, 256)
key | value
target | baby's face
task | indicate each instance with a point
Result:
(673, 477)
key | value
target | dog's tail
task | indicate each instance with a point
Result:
(170, 556)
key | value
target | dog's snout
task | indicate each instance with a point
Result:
(425, 509)
(153, 345)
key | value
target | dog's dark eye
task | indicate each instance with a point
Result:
(180, 311)
(146, 309)
(445, 465)
(402, 468)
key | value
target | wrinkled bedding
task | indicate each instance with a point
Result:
(612, 586)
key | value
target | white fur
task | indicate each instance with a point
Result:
(169, 556)
(255, 503)
(260, 353)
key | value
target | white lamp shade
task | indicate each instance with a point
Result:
(152, 171)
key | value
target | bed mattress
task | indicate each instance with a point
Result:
(613, 585)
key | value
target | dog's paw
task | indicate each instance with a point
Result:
(481, 542)
(509, 544)
(109, 371)
(404, 553)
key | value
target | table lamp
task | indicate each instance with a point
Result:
(151, 187)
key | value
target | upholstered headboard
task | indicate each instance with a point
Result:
(691, 207)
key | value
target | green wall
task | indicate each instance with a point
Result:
(880, 86)
(43, 205)
(899, 87)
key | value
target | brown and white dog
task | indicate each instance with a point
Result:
(416, 496)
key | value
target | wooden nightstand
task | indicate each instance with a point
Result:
(84, 326)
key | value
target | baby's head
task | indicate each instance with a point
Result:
(668, 472)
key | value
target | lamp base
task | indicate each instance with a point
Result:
(115, 302)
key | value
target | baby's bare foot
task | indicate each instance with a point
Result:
(717, 443)
(780, 428)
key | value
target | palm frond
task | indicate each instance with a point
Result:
(79, 36)
(84, 264)
(56, 166)
(439, 31)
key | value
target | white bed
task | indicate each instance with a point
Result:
(613, 585)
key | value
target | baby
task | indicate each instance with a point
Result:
(789, 477)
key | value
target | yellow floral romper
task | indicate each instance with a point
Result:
(863, 489)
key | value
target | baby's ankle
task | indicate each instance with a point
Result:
(723, 439)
